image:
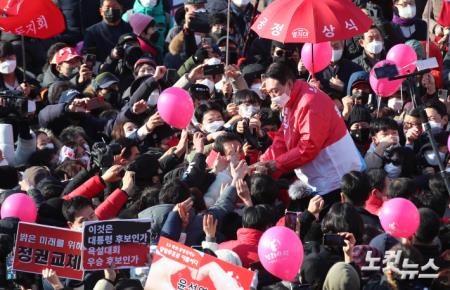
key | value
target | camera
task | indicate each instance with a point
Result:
(102, 155)
(14, 102)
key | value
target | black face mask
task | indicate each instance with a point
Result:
(112, 15)
(360, 136)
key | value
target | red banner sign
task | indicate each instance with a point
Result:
(39, 247)
(176, 266)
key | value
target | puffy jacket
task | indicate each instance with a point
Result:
(246, 245)
(92, 188)
(313, 140)
(162, 20)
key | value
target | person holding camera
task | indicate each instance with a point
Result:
(144, 27)
(68, 67)
(196, 26)
(103, 36)
(12, 77)
(122, 59)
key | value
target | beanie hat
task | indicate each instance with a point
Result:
(359, 114)
(342, 276)
(418, 48)
(139, 22)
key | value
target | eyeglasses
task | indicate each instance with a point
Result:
(408, 124)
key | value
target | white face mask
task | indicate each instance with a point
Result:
(213, 61)
(153, 98)
(241, 3)
(214, 126)
(392, 170)
(281, 101)
(49, 146)
(374, 47)
(209, 83)
(248, 111)
(4, 162)
(149, 3)
(257, 89)
(395, 104)
(128, 133)
(8, 66)
(431, 159)
(435, 127)
(407, 12)
(336, 54)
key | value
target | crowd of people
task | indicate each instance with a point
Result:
(81, 134)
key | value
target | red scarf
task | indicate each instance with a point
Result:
(148, 48)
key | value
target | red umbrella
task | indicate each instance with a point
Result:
(32, 18)
(313, 21)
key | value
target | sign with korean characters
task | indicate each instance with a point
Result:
(122, 243)
(176, 266)
(39, 247)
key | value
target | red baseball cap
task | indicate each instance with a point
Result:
(66, 54)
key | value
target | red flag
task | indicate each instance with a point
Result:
(32, 18)
(444, 16)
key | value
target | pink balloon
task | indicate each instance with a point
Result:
(176, 107)
(399, 217)
(404, 56)
(21, 206)
(383, 87)
(322, 56)
(448, 143)
(281, 252)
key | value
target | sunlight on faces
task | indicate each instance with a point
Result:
(86, 214)
(274, 88)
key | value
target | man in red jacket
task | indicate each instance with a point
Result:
(255, 221)
(313, 139)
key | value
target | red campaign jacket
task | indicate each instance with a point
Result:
(373, 204)
(109, 208)
(246, 245)
(313, 140)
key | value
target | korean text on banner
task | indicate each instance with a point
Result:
(176, 266)
(122, 243)
(39, 247)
